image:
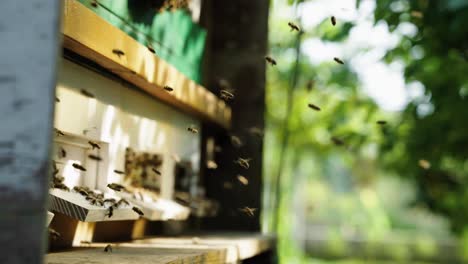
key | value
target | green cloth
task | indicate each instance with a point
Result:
(173, 35)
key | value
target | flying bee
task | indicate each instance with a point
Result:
(86, 242)
(416, 14)
(86, 93)
(110, 211)
(168, 88)
(118, 52)
(57, 99)
(242, 179)
(211, 165)
(337, 141)
(108, 248)
(119, 172)
(244, 163)
(248, 211)
(270, 60)
(156, 171)
(62, 153)
(54, 234)
(316, 108)
(310, 85)
(137, 210)
(94, 3)
(150, 48)
(293, 26)
(87, 130)
(94, 157)
(255, 131)
(58, 132)
(78, 167)
(176, 157)
(235, 141)
(94, 145)
(226, 95)
(333, 20)
(339, 61)
(381, 122)
(116, 187)
(192, 129)
(424, 164)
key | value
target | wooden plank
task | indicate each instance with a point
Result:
(92, 37)
(131, 255)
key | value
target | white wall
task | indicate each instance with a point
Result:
(123, 117)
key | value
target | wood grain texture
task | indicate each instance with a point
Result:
(132, 255)
(92, 37)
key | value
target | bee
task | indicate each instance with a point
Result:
(227, 185)
(94, 157)
(116, 187)
(54, 166)
(424, 164)
(255, 131)
(192, 129)
(316, 108)
(81, 191)
(108, 248)
(310, 85)
(118, 52)
(248, 211)
(244, 163)
(85, 131)
(293, 26)
(94, 145)
(122, 201)
(94, 200)
(62, 153)
(236, 142)
(110, 211)
(57, 99)
(381, 122)
(119, 172)
(270, 60)
(333, 20)
(339, 61)
(168, 88)
(416, 14)
(151, 49)
(226, 95)
(86, 93)
(86, 242)
(242, 179)
(112, 201)
(54, 234)
(78, 167)
(94, 3)
(195, 240)
(337, 141)
(156, 171)
(58, 132)
(137, 210)
(211, 165)
(61, 186)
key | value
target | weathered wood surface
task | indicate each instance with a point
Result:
(132, 255)
(29, 33)
(90, 36)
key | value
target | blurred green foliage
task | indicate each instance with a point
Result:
(433, 127)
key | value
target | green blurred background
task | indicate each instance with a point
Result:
(393, 193)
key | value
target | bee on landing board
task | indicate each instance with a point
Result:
(108, 248)
(168, 88)
(244, 163)
(248, 211)
(293, 27)
(137, 210)
(270, 60)
(118, 52)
